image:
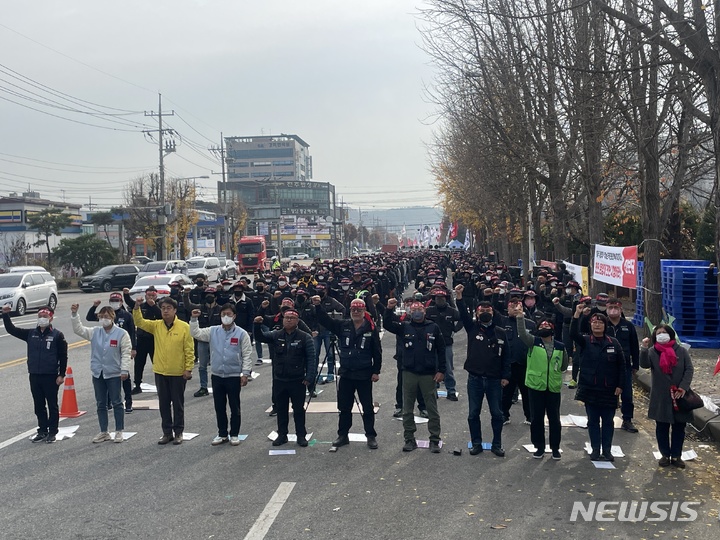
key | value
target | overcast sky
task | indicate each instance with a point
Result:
(346, 76)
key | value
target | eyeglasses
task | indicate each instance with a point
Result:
(166, 308)
(357, 309)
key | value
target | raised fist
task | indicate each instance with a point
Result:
(96, 303)
(74, 308)
(265, 304)
(258, 320)
(126, 291)
(195, 313)
(392, 303)
(315, 300)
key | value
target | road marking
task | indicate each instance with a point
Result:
(18, 438)
(263, 523)
(18, 361)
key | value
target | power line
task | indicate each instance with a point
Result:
(68, 119)
(128, 171)
(75, 59)
(72, 164)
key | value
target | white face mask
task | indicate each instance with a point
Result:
(227, 320)
(226, 287)
(106, 323)
(43, 322)
(116, 305)
(662, 338)
(568, 291)
(282, 283)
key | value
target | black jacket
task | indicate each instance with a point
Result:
(423, 344)
(360, 350)
(516, 348)
(46, 348)
(487, 349)
(602, 368)
(293, 354)
(447, 318)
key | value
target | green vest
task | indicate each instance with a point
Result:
(543, 373)
(276, 264)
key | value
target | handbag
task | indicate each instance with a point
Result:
(690, 401)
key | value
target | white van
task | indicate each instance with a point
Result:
(208, 266)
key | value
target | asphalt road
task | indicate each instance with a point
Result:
(76, 489)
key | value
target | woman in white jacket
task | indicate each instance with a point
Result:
(110, 348)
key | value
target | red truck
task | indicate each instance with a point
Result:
(251, 254)
(389, 248)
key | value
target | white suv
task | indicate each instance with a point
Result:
(28, 290)
(208, 266)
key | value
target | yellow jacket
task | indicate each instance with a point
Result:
(174, 348)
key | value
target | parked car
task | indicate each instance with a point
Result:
(208, 266)
(115, 276)
(228, 268)
(14, 269)
(140, 260)
(28, 290)
(299, 257)
(161, 283)
(176, 266)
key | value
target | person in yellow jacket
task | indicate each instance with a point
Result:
(547, 360)
(172, 364)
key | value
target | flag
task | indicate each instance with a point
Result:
(467, 239)
(403, 232)
(717, 367)
(453, 231)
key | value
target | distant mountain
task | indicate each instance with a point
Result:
(413, 218)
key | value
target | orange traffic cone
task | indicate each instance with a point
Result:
(69, 407)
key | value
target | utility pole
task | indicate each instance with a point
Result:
(230, 225)
(162, 150)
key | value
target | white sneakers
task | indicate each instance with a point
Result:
(218, 440)
(101, 437)
(118, 436)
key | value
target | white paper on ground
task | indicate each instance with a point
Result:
(189, 436)
(242, 437)
(254, 375)
(566, 421)
(281, 452)
(485, 445)
(292, 437)
(426, 444)
(687, 455)
(442, 393)
(66, 432)
(616, 451)
(126, 434)
(357, 437)
(318, 392)
(418, 419)
(145, 387)
(603, 465)
(266, 361)
(579, 421)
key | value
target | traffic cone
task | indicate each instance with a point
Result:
(69, 407)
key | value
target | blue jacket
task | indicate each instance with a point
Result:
(230, 350)
(109, 351)
(46, 348)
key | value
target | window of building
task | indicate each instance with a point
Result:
(261, 163)
(288, 163)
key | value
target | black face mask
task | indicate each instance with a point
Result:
(485, 317)
(199, 283)
(545, 332)
(209, 299)
(238, 293)
(259, 288)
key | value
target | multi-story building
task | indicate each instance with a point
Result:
(17, 208)
(272, 176)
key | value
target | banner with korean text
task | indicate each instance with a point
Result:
(616, 265)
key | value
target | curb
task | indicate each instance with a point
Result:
(703, 420)
(69, 291)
